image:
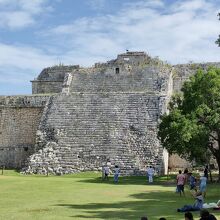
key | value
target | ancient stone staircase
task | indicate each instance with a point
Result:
(105, 114)
(83, 131)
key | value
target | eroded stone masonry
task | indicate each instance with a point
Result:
(78, 118)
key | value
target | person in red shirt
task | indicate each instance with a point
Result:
(180, 182)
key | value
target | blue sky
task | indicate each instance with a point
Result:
(38, 33)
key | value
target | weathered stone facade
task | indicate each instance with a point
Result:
(91, 116)
(182, 72)
(19, 120)
(107, 113)
(50, 80)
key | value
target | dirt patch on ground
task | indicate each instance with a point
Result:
(4, 177)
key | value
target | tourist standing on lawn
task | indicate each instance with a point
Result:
(206, 172)
(185, 172)
(192, 181)
(150, 173)
(106, 172)
(202, 185)
(180, 181)
(116, 175)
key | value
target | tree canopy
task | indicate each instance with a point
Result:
(192, 127)
(218, 40)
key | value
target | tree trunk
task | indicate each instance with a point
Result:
(210, 174)
(217, 157)
(216, 153)
(218, 162)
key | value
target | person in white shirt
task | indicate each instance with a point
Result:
(150, 173)
(106, 172)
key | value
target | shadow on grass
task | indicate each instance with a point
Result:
(151, 204)
(132, 180)
(154, 204)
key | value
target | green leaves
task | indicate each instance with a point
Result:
(194, 118)
(218, 41)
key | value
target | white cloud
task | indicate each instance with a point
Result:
(34, 6)
(24, 57)
(16, 19)
(19, 65)
(192, 5)
(16, 14)
(177, 33)
(148, 3)
(96, 4)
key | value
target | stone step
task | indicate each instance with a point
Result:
(91, 129)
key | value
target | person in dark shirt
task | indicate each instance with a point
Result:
(188, 216)
(186, 171)
(206, 172)
(205, 215)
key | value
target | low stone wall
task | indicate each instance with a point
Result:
(19, 119)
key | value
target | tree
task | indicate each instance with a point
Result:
(192, 128)
(218, 40)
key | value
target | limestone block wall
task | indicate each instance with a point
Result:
(148, 79)
(182, 72)
(106, 113)
(46, 87)
(50, 80)
(134, 58)
(55, 73)
(83, 131)
(19, 120)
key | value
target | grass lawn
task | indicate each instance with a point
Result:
(86, 196)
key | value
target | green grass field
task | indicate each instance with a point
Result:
(86, 196)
